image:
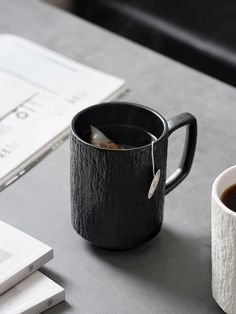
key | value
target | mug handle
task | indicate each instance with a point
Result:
(188, 120)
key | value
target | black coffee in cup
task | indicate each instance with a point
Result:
(228, 197)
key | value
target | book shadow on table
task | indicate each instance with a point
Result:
(173, 264)
(53, 275)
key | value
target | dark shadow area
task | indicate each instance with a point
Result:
(54, 276)
(197, 33)
(171, 263)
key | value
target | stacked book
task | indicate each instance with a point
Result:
(23, 289)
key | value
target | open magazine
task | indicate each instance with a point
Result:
(40, 92)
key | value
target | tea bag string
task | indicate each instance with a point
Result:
(153, 161)
(156, 176)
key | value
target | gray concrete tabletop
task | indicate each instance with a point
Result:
(171, 274)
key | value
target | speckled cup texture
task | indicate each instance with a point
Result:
(223, 225)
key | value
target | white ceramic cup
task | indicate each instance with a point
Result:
(223, 237)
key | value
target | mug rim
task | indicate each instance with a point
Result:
(215, 194)
(131, 104)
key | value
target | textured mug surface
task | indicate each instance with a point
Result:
(109, 188)
(223, 229)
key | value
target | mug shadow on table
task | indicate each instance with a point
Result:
(172, 263)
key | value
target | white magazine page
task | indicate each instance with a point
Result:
(40, 92)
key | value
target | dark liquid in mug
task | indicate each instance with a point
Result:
(228, 197)
(128, 136)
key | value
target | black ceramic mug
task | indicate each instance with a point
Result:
(111, 205)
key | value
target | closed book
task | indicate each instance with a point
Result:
(20, 256)
(35, 294)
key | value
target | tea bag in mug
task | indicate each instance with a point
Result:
(98, 138)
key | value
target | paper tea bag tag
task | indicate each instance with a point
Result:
(154, 184)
